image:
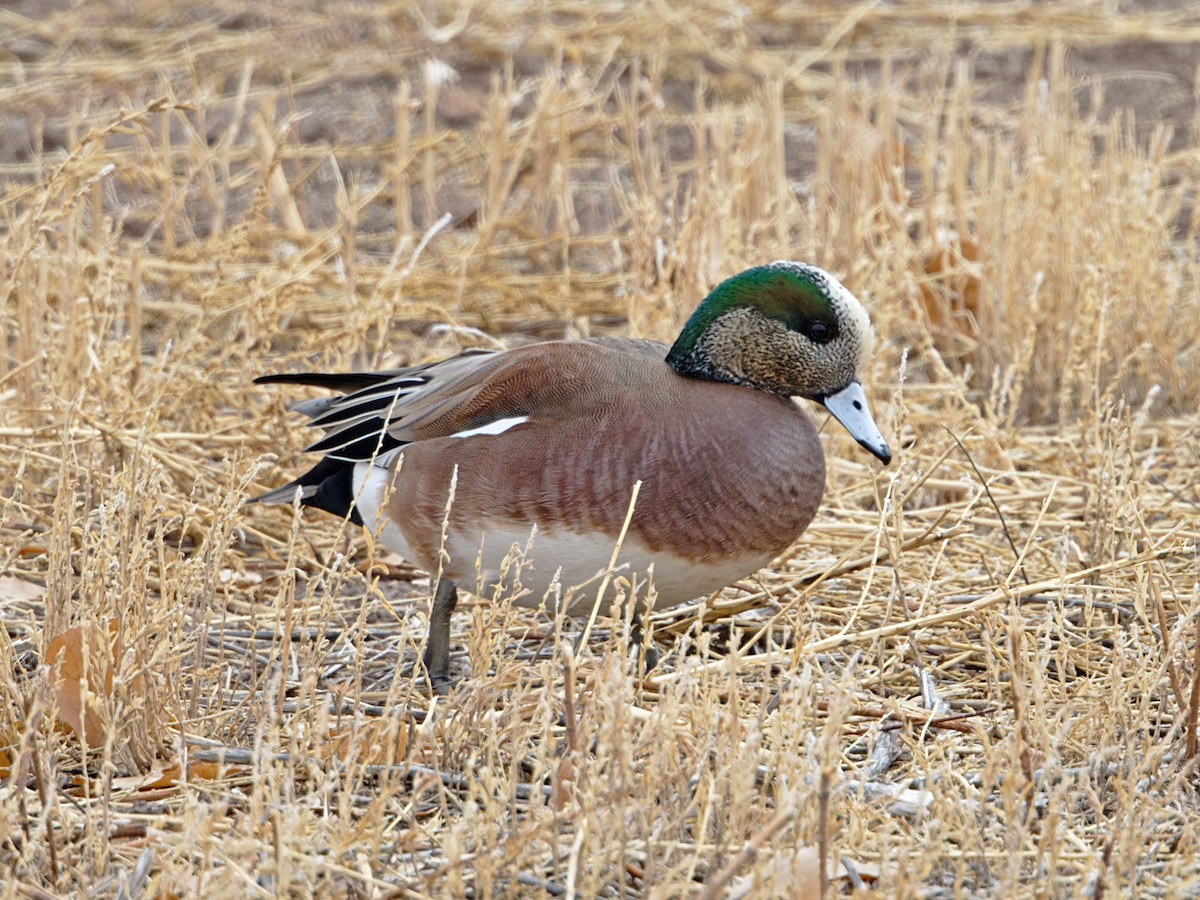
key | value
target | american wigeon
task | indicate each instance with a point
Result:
(452, 463)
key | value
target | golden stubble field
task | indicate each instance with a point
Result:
(977, 674)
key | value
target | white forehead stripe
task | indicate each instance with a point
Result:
(499, 426)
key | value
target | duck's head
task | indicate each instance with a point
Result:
(789, 329)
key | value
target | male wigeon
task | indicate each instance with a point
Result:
(452, 463)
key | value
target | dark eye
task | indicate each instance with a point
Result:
(818, 332)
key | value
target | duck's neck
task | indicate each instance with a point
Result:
(691, 354)
(712, 347)
(698, 364)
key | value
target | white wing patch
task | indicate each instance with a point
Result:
(499, 426)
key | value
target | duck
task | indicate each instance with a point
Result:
(512, 472)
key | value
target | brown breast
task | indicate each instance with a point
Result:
(725, 470)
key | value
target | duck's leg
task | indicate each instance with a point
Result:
(647, 653)
(437, 645)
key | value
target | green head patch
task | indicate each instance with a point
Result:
(803, 298)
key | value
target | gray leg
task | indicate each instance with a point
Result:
(647, 653)
(437, 645)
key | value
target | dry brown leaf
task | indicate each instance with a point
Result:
(163, 773)
(163, 778)
(788, 874)
(370, 742)
(562, 787)
(167, 773)
(385, 564)
(18, 590)
(950, 296)
(66, 677)
(199, 770)
(796, 873)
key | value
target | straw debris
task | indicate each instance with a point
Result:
(978, 673)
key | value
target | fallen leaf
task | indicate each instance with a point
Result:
(67, 678)
(371, 742)
(562, 786)
(162, 774)
(795, 873)
(18, 590)
(168, 773)
(950, 296)
(199, 770)
(385, 565)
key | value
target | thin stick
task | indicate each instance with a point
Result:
(47, 806)
(720, 610)
(612, 564)
(1193, 739)
(823, 793)
(996, 596)
(992, 499)
(713, 887)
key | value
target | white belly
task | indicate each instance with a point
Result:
(541, 567)
(561, 566)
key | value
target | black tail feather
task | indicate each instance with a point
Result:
(362, 440)
(329, 485)
(346, 382)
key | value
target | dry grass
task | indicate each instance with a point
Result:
(977, 673)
